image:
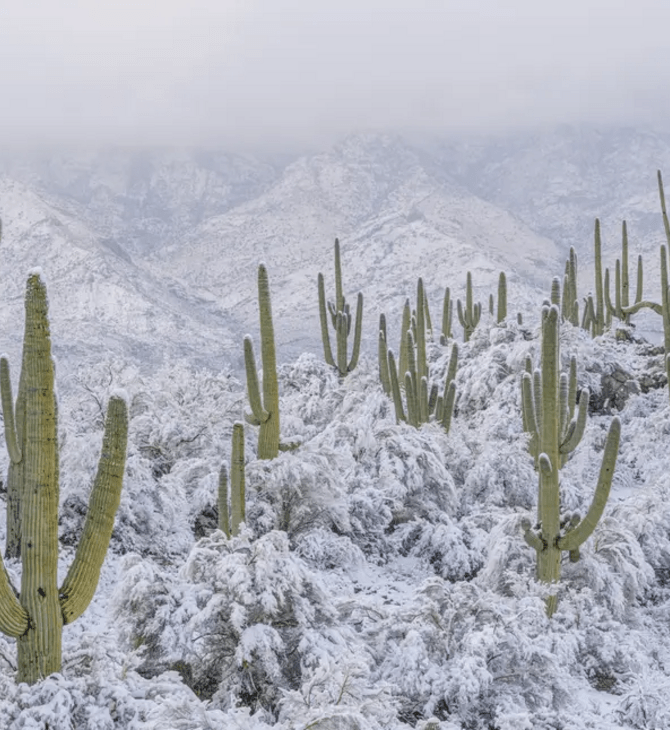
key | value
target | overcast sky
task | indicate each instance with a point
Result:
(292, 72)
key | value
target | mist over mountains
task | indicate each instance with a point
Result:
(153, 253)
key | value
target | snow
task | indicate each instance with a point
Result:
(381, 579)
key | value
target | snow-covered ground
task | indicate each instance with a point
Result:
(382, 580)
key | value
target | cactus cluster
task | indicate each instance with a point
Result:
(469, 313)
(423, 401)
(36, 614)
(341, 320)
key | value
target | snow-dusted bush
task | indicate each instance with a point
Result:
(179, 433)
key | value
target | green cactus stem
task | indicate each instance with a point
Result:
(404, 327)
(382, 354)
(570, 301)
(341, 321)
(231, 517)
(599, 312)
(447, 317)
(665, 292)
(502, 298)
(15, 475)
(265, 409)
(36, 615)
(547, 412)
(470, 314)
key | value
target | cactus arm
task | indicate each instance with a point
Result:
(339, 295)
(531, 537)
(323, 318)
(16, 466)
(625, 283)
(412, 406)
(537, 397)
(661, 194)
(447, 314)
(432, 399)
(665, 298)
(638, 288)
(341, 326)
(405, 325)
(224, 512)
(423, 400)
(460, 313)
(657, 308)
(577, 425)
(563, 402)
(492, 309)
(600, 300)
(575, 537)
(448, 407)
(528, 405)
(395, 389)
(382, 355)
(468, 294)
(453, 363)
(237, 481)
(572, 394)
(608, 300)
(258, 414)
(14, 620)
(420, 339)
(82, 578)
(358, 327)
(13, 447)
(429, 323)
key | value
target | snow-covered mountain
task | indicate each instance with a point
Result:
(138, 243)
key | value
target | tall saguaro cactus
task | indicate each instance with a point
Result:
(340, 315)
(265, 409)
(36, 615)
(546, 411)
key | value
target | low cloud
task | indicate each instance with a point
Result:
(296, 72)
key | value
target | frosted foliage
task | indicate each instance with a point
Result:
(179, 431)
(239, 614)
(381, 580)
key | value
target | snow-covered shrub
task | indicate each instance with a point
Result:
(179, 433)
(237, 617)
(298, 491)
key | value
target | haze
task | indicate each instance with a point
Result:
(291, 72)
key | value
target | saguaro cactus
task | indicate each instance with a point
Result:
(37, 614)
(447, 317)
(502, 298)
(265, 409)
(546, 411)
(598, 323)
(470, 314)
(570, 301)
(233, 515)
(340, 315)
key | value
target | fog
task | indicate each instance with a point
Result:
(280, 73)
